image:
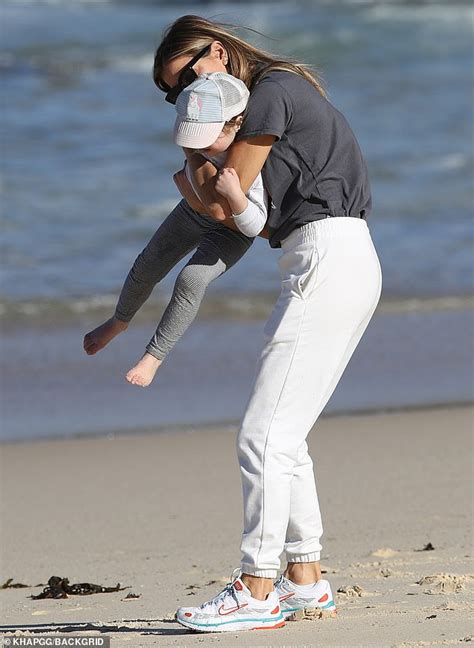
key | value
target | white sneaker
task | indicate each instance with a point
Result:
(233, 609)
(305, 601)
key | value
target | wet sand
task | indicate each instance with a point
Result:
(161, 513)
(409, 359)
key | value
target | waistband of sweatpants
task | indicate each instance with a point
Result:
(325, 227)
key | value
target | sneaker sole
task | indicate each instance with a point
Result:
(233, 626)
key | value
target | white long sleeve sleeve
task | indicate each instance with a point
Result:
(252, 220)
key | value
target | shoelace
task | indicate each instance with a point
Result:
(228, 590)
(279, 582)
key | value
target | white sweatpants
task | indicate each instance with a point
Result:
(331, 282)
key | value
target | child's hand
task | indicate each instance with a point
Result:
(228, 183)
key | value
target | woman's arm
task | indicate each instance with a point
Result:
(247, 157)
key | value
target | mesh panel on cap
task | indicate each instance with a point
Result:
(230, 93)
(234, 91)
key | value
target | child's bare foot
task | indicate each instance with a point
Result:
(143, 373)
(101, 336)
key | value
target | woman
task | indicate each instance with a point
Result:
(317, 179)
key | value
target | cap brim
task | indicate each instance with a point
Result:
(198, 135)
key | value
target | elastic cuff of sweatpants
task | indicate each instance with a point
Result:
(154, 352)
(315, 556)
(122, 318)
(261, 573)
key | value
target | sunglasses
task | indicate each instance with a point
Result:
(186, 76)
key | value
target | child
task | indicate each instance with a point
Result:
(209, 116)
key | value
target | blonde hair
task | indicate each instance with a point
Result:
(190, 34)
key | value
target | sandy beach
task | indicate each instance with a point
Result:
(161, 513)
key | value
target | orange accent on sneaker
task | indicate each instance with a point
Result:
(188, 614)
(323, 598)
(278, 625)
(238, 586)
(275, 610)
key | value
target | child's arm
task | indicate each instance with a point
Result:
(250, 216)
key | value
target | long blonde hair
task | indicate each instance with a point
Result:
(190, 34)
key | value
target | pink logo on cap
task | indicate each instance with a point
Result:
(194, 106)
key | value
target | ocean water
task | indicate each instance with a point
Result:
(86, 174)
(87, 153)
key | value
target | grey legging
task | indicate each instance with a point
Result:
(218, 248)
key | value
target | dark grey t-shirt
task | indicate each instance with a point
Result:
(315, 168)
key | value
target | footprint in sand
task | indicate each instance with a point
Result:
(353, 591)
(385, 552)
(444, 583)
(312, 615)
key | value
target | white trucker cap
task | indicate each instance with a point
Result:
(204, 107)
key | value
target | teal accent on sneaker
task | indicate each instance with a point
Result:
(207, 625)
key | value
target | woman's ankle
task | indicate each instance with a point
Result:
(303, 573)
(259, 587)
